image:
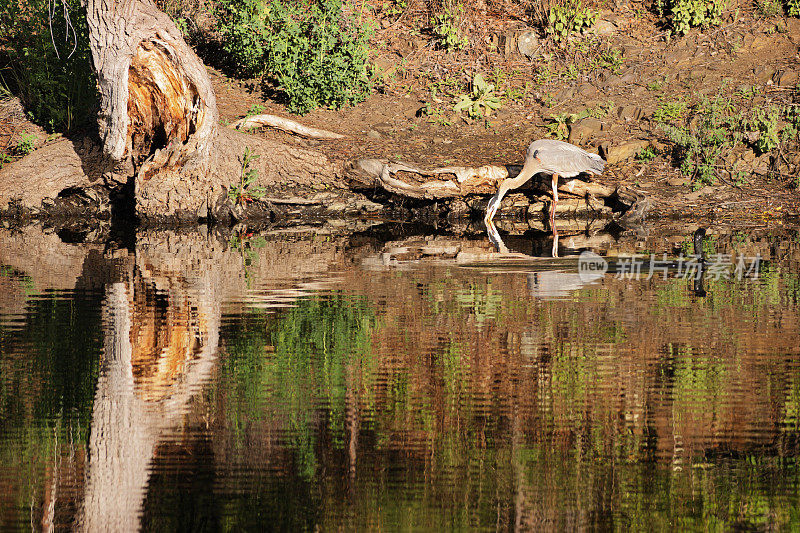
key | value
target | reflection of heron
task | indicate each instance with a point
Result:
(547, 156)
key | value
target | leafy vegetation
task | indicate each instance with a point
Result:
(25, 144)
(765, 122)
(714, 128)
(50, 72)
(647, 154)
(445, 28)
(698, 149)
(671, 111)
(394, 8)
(311, 51)
(684, 14)
(244, 191)
(568, 17)
(481, 101)
(767, 8)
(435, 114)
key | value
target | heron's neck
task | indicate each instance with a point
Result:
(530, 168)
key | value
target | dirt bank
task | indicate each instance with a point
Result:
(616, 83)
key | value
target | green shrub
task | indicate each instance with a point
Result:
(793, 8)
(244, 191)
(445, 27)
(767, 8)
(481, 101)
(26, 144)
(765, 122)
(311, 51)
(57, 86)
(684, 14)
(698, 149)
(646, 154)
(568, 17)
(670, 111)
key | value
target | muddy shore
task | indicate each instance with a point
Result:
(751, 61)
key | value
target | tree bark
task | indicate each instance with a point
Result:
(157, 104)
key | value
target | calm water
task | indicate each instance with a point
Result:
(325, 380)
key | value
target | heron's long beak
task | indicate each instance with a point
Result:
(491, 208)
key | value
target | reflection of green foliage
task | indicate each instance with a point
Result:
(313, 345)
(247, 246)
(450, 448)
(484, 304)
(48, 372)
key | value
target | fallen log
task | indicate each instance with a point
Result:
(457, 182)
(284, 124)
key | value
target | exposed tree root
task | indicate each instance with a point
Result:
(284, 124)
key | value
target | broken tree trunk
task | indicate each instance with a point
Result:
(157, 104)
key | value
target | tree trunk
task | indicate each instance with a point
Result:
(157, 105)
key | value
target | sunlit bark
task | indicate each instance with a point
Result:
(145, 384)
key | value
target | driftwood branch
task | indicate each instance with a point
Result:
(284, 124)
(453, 182)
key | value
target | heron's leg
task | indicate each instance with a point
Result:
(553, 206)
(494, 236)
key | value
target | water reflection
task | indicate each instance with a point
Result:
(412, 382)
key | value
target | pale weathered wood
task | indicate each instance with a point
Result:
(451, 182)
(156, 99)
(284, 124)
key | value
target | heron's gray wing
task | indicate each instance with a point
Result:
(565, 159)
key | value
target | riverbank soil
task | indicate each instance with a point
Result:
(623, 88)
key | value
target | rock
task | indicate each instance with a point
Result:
(583, 131)
(586, 89)
(763, 73)
(623, 151)
(603, 27)
(761, 42)
(441, 140)
(632, 52)
(761, 164)
(384, 66)
(527, 43)
(363, 205)
(786, 78)
(793, 29)
(705, 191)
(372, 134)
(630, 112)
(630, 76)
(677, 182)
(612, 80)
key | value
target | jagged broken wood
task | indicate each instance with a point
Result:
(453, 182)
(284, 124)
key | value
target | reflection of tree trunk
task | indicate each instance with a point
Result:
(351, 399)
(131, 413)
(122, 442)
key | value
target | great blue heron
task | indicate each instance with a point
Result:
(548, 156)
